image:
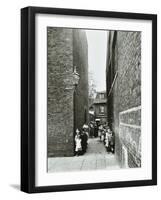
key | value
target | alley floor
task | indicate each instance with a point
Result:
(95, 158)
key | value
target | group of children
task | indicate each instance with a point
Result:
(107, 137)
(104, 133)
(81, 142)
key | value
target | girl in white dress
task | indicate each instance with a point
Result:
(78, 146)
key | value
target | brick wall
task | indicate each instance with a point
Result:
(80, 59)
(124, 101)
(60, 100)
(62, 45)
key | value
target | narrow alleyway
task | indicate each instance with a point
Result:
(95, 158)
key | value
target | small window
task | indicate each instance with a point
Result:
(102, 96)
(102, 109)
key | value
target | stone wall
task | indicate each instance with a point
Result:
(61, 48)
(124, 101)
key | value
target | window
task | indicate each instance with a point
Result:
(102, 109)
(102, 96)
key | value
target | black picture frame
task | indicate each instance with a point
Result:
(28, 98)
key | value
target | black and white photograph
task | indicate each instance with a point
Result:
(89, 91)
(93, 99)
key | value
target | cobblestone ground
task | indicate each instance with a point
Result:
(95, 158)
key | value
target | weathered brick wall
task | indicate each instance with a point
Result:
(126, 98)
(60, 99)
(66, 111)
(80, 60)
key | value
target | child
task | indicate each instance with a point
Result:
(110, 141)
(102, 136)
(78, 146)
(99, 131)
(107, 141)
(112, 144)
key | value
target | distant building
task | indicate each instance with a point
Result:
(99, 107)
(123, 76)
(67, 54)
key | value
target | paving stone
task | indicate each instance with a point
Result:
(95, 158)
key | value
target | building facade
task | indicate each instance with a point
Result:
(67, 98)
(123, 77)
(100, 107)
